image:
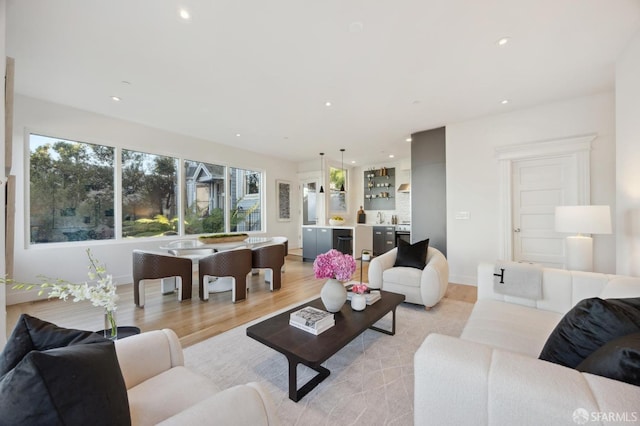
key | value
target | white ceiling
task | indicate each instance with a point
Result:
(264, 69)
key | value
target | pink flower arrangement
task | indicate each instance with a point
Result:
(359, 288)
(334, 264)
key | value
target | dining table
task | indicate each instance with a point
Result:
(195, 250)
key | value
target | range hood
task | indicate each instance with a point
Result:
(404, 187)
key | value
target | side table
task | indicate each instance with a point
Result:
(362, 259)
(125, 331)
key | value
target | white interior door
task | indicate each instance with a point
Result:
(539, 185)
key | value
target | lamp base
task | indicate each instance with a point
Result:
(580, 253)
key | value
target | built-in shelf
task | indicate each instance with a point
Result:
(380, 189)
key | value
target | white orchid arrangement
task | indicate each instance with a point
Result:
(101, 292)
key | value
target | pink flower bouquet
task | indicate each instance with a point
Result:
(359, 288)
(334, 264)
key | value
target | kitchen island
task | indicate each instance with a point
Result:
(317, 239)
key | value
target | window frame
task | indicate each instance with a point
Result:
(117, 192)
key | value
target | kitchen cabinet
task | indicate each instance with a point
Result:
(384, 239)
(380, 189)
(317, 240)
(309, 242)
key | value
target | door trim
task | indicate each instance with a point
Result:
(578, 148)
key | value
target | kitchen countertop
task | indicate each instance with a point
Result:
(347, 226)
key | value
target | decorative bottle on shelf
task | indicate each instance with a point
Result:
(362, 217)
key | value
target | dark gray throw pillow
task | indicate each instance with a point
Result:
(32, 333)
(76, 383)
(412, 255)
(619, 359)
(588, 326)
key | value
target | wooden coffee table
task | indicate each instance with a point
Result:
(305, 348)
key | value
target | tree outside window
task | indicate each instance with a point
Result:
(337, 199)
(72, 194)
(149, 194)
(71, 190)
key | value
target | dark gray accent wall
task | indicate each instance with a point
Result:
(429, 188)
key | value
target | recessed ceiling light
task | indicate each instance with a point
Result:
(408, 139)
(327, 104)
(503, 41)
(353, 161)
(504, 101)
(237, 135)
(184, 14)
(391, 156)
(356, 27)
(116, 98)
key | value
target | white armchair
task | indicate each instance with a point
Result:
(423, 287)
(161, 390)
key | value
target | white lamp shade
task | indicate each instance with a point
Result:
(583, 219)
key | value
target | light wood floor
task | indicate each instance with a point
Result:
(194, 320)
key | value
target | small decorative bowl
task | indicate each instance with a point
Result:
(334, 222)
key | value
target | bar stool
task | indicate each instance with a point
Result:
(344, 243)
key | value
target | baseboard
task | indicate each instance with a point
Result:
(471, 280)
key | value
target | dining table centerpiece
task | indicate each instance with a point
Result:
(99, 290)
(338, 267)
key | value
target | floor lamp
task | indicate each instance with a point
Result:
(582, 220)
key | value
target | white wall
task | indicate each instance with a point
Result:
(3, 310)
(628, 159)
(473, 175)
(69, 260)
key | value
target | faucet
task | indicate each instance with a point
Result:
(380, 217)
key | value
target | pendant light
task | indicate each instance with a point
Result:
(321, 172)
(344, 176)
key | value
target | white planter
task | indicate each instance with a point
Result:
(358, 302)
(333, 295)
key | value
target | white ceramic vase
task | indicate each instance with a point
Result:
(333, 295)
(358, 302)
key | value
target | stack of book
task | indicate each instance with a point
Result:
(372, 296)
(312, 320)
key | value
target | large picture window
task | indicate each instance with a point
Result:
(149, 194)
(205, 194)
(72, 197)
(245, 200)
(71, 190)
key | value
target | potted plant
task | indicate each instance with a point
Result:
(366, 255)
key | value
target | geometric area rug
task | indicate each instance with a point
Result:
(371, 380)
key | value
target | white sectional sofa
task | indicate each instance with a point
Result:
(491, 374)
(162, 391)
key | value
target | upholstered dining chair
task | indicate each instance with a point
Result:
(149, 265)
(285, 241)
(270, 258)
(234, 263)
